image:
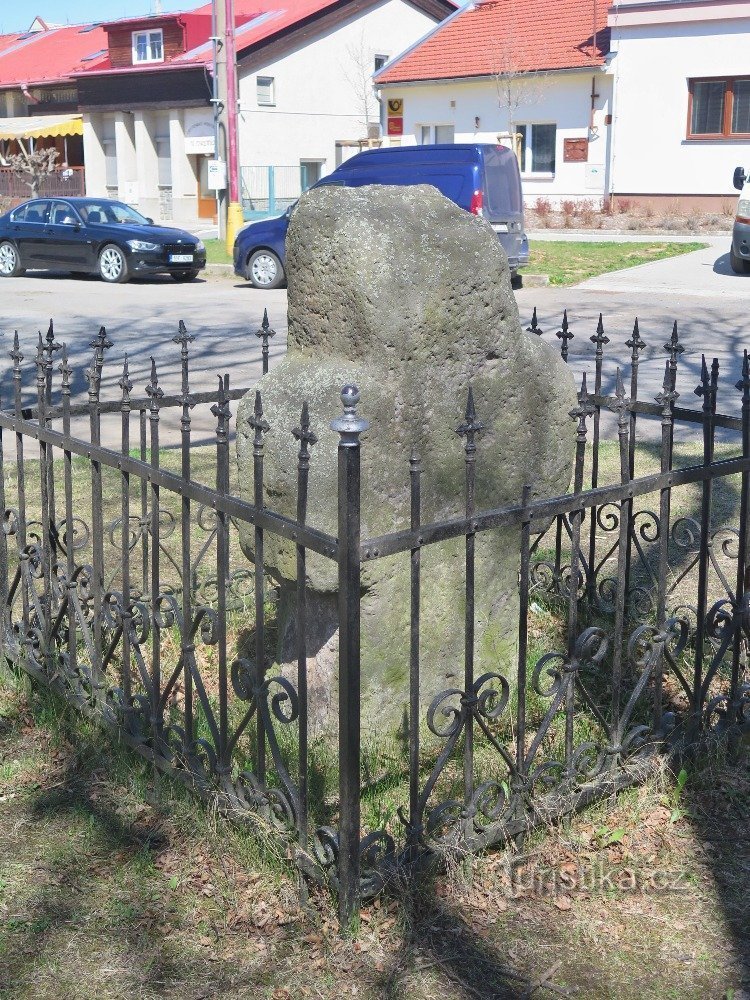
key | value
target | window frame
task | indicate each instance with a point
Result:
(726, 135)
(526, 150)
(272, 91)
(148, 32)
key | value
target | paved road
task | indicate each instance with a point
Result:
(699, 290)
(710, 304)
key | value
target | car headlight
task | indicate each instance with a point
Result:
(743, 209)
(142, 245)
(200, 245)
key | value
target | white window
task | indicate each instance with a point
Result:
(380, 62)
(537, 148)
(148, 46)
(266, 91)
(427, 135)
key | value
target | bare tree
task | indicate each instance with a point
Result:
(358, 72)
(32, 166)
(516, 88)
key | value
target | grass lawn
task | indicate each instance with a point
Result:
(216, 252)
(568, 263)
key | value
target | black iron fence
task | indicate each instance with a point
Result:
(123, 588)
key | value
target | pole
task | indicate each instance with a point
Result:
(219, 72)
(234, 209)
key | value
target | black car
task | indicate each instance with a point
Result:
(94, 236)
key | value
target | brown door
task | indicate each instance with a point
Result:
(206, 198)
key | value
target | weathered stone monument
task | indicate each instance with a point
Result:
(406, 295)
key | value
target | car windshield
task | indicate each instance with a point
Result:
(98, 213)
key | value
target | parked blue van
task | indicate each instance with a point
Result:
(481, 178)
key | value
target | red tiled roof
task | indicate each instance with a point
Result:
(497, 36)
(49, 56)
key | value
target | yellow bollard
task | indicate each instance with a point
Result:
(235, 221)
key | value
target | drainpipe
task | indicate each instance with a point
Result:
(234, 211)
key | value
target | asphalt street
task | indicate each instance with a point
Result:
(710, 304)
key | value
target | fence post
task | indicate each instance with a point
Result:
(271, 191)
(349, 427)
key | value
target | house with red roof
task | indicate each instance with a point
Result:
(530, 75)
(642, 100)
(39, 98)
(305, 89)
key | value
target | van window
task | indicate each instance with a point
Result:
(502, 185)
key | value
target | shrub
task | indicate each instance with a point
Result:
(568, 206)
(648, 210)
(634, 222)
(587, 212)
(668, 222)
(728, 208)
(693, 222)
(624, 205)
(543, 207)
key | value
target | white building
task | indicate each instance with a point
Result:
(305, 99)
(514, 68)
(681, 100)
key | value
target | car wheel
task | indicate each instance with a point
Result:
(184, 275)
(113, 267)
(264, 269)
(738, 264)
(10, 262)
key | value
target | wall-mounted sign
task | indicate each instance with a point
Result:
(200, 144)
(395, 106)
(216, 178)
(395, 126)
(199, 134)
(575, 150)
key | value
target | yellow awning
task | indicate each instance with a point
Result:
(40, 126)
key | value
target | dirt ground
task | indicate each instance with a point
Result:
(114, 885)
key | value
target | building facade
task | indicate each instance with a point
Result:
(305, 97)
(681, 73)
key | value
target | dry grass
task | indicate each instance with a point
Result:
(115, 885)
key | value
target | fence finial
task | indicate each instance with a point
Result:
(744, 383)
(471, 426)
(583, 410)
(265, 332)
(668, 394)
(350, 425)
(124, 382)
(65, 370)
(635, 343)
(15, 354)
(704, 389)
(599, 338)
(621, 404)
(304, 434)
(534, 327)
(153, 389)
(258, 423)
(564, 335)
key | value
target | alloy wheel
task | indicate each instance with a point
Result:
(8, 258)
(111, 264)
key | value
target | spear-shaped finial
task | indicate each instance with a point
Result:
(635, 343)
(220, 408)
(599, 337)
(124, 382)
(584, 409)
(471, 426)
(258, 423)
(15, 354)
(564, 335)
(183, 337)
(704, 388)
(306, 437)
(621, 404)
(65, 370)
(153, 389)
(668, 394)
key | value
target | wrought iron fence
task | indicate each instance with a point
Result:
(122, 588)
